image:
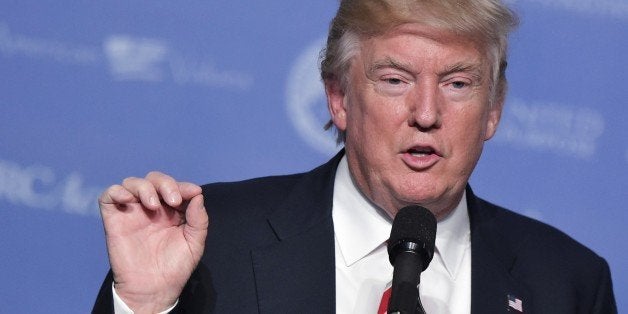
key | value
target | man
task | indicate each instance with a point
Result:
(414, 89)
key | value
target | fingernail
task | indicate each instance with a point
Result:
(153, 201)
(173, 198)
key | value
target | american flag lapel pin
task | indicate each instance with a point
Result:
(515, 304)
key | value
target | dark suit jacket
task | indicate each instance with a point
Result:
(270, 249)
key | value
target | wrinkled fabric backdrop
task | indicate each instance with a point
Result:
(94, 91)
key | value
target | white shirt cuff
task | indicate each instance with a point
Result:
(119, 307)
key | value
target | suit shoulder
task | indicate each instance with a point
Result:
(268, 192)
(563, 275)
(531, 234)
(256, 192)
(268, 184)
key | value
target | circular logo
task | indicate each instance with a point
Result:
(306, 103)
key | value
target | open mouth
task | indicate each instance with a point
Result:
(421, 157)
(421, 151)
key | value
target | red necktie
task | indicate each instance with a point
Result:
(383, 304)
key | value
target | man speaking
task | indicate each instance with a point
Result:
(414, 89)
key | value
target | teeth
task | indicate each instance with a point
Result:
(420, 152)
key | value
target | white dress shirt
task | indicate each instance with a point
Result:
(363, 271)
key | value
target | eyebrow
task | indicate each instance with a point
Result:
(474, 69)
(388, 62)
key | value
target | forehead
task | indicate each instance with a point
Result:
(417, 43)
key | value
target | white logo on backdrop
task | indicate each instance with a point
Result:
(618, 8)
(144, 59)
(14, 44)
(567, 130)
(129, 59)
(305, 100)
(188, 71)
(38, 187)
(135, 59)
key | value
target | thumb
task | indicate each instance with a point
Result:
(197, 222)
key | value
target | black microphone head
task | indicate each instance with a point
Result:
(413, 230)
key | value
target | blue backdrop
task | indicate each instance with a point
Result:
(94, 91)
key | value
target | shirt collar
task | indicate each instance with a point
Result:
(453, 237)
(361, 227)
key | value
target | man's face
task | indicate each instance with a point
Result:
(416, 114)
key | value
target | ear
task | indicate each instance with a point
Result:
(494, 115)
(336, 103)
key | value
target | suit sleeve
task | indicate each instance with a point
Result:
(104, 300)
(605, 299)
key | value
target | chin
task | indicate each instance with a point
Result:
(420, 188)
(419, 197)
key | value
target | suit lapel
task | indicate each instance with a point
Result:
(492, 264)
(297, 273)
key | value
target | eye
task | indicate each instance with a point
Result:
(459, 84)
(392, 84)
(393, 81)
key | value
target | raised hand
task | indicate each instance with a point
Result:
(155, 229)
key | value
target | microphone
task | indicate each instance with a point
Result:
(410, 250)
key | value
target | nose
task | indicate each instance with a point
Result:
(424, 107)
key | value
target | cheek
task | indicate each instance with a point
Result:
(468, 130)
(373, 133)
(386, 116)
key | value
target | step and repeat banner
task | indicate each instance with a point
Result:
(95, 91)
